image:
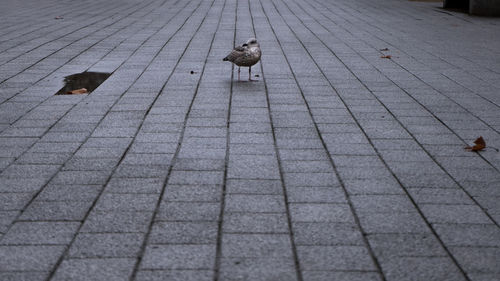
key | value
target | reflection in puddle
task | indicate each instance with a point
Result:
(87, 80)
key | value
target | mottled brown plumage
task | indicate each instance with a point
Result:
(246, 55)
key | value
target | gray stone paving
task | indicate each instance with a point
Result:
(336, 165)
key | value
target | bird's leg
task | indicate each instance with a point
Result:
(238, 73)
(250, 74)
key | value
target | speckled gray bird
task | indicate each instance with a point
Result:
(247, 54)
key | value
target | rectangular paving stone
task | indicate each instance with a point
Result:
(250, 138)
(382, 203)
(256, 245)
(113, 221)
(193, 193)
(454, 214)
(350, 149)
(347, 258)
(431, 180)
(90, 164)
(184, 233)
(29, 171)
(6, 219)
(28, 276)
(341, 276)
(80, 177)
(428, 268)
(157, 137)
(43, 158)
(114, 132)
(315, 195)
(261, 268)
(252, 186)
(102, 269)
(107, 142)
(363, 172)
(53, 192)
(74, 137)
(255, 223)
(175, 274)
(126, 202)
(134, 185)
(440, 196)
(21, 184)
(14, 201)
(56, 210)
(29, 258)
(141, 171)
(163, 159)
(181, 211)
(64, 147)
(309, 212)
(320, 233)
(373, 186)
(254, 203)
(178, 257)
(357, 161)
(404, 155)
(405, 245)
(40, 233)
(144, 147)
(298, 143)
(306, 166)
(252, 167)
(106, 245)
(302, 154)
(310, 179)
(393, 223)
(252, 149)
(196, 177)
(199, 164)
(202, 153)
(478, 235)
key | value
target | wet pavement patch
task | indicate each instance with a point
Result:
(75, 83)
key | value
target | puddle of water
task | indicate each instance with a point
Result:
(87, 80)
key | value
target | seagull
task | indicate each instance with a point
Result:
(247, 54)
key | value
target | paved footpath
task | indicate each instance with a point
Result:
(336, 165)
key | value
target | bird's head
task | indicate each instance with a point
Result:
(252, 42)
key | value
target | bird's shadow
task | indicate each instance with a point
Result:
(241, 83)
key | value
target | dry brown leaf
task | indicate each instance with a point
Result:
(77, 92)
(386, 57)
(479, 144)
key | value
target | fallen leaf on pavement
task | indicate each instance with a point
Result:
(479, 144)
(77, 92)
(386, 57)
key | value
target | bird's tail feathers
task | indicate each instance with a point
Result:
(225, 59)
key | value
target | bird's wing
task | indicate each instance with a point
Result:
(235, 53)
(239, 48)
